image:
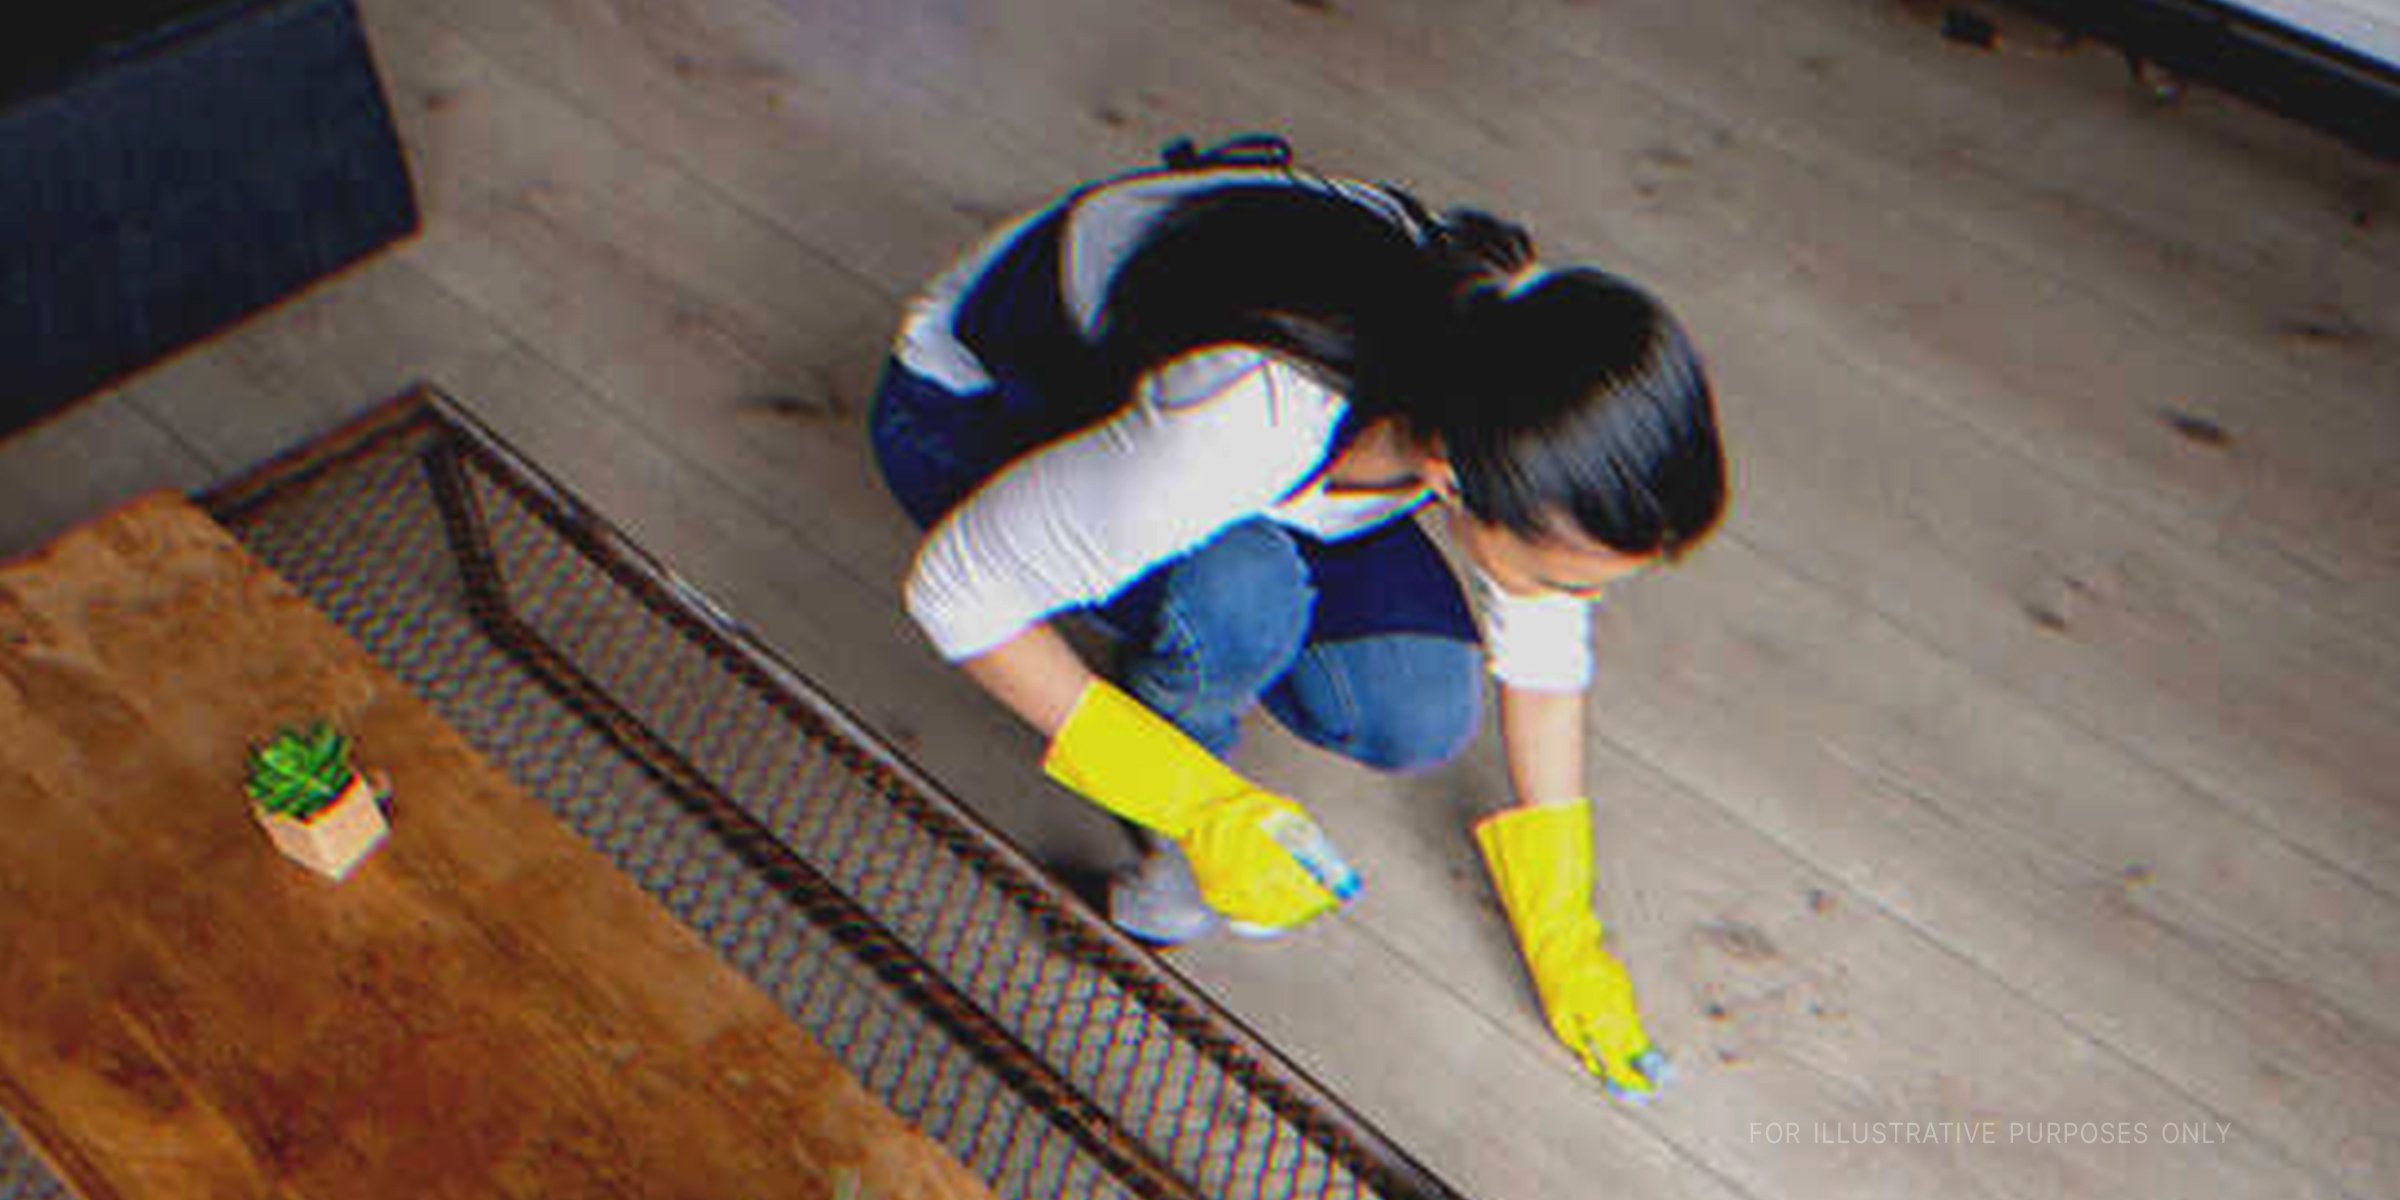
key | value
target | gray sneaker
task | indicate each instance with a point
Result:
(1158, 901)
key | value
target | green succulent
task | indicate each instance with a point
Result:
(300, 771)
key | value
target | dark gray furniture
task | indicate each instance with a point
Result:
(168, 167)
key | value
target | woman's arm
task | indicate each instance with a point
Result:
(1541, 736)
(1211, 439)
(1540, 857)
(1035, 674)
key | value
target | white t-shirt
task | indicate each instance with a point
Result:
(1210, 439)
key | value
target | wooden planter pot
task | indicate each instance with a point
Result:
(337, 838)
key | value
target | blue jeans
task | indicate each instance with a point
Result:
(1365, 647)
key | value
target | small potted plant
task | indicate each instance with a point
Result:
(321, 812)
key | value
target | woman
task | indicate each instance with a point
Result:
(1199, 406)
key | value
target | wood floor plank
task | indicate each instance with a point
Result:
(572, 277)
(2052, 643)
(1786, 994)
(743, 112)
(2075, 876)
(2061, 144)
(548, 258)
(2205, 270)
(2071, 602)
(313, 363)
(81, 460)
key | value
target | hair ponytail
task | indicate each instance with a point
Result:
(1587, 402)
(1472, 247)
(1305, 271)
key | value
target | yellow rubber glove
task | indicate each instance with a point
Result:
(1541, 864)
(1241, 841)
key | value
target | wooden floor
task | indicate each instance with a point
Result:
(2023, 752)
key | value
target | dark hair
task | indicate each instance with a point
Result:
(1580, 394)
(1577, 394)
(1292, 268)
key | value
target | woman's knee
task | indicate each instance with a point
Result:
(1397, 702)
(1238, 606)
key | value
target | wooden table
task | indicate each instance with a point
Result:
(485, 1008)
